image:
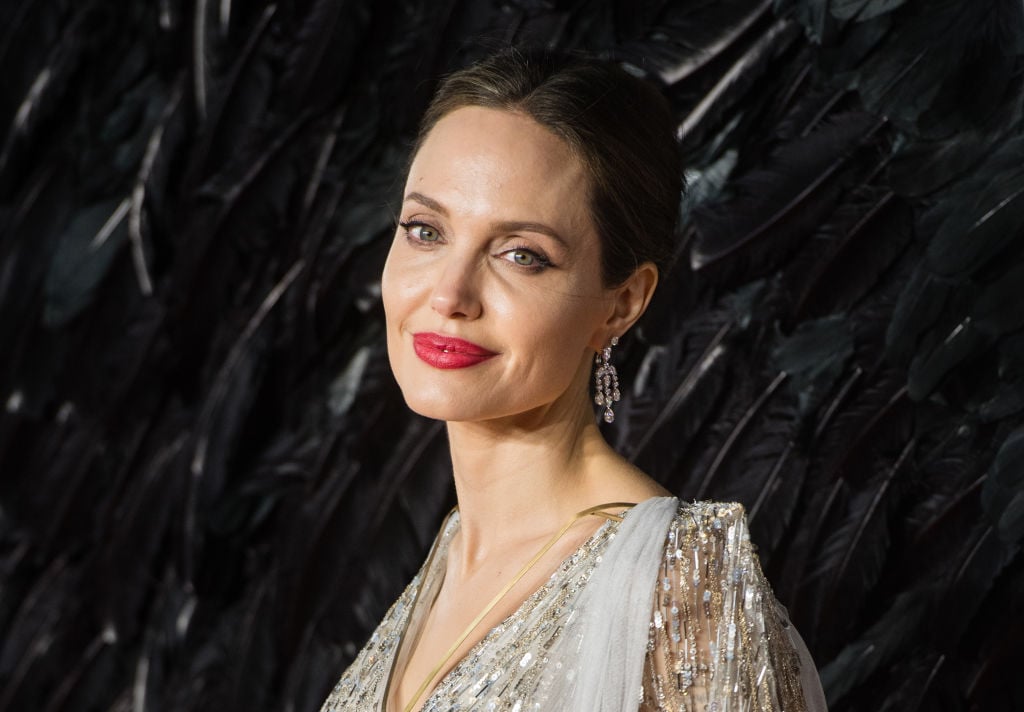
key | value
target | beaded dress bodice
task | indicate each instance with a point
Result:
(497, 671)
(716, 641)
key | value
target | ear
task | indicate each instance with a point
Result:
(629, 301)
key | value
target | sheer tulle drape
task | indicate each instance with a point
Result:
(597, 663)
(667, 610)
(715, 639)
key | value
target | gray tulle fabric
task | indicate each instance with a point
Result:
(814, 696)
(666, 610)
(603, 645)
(597, 663)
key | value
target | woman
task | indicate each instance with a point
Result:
(538, 213)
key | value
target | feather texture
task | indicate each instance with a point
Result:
(210, 487)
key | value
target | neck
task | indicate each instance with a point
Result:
(522, 478)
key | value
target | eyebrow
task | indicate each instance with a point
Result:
(427, 202)
(504, 226)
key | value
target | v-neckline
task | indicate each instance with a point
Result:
(433, 577)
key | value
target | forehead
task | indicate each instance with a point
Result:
(479, 160)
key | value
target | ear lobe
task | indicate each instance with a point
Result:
(632, 297)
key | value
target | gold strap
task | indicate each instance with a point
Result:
(596, 510)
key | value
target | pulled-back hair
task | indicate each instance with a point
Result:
(619, 126)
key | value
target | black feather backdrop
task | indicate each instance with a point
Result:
(210, 489)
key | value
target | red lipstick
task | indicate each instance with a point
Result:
(447, 351)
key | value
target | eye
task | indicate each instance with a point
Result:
(524, 258)
(527, 258)
(420, 232)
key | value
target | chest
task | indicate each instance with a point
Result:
(500, 670)
(445, 627)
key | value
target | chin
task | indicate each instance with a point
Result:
(439, 405)
(464, 408)
(440, 395)
(432, 410)
(457, 407)
(465, 396)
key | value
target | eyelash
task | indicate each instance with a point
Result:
(542, 261)
(408, 226)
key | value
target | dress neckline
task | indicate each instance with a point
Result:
(433, 577)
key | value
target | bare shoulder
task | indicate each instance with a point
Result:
(621, 481)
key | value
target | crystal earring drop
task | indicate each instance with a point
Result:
(606, 381)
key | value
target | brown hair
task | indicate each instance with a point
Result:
(620, 126)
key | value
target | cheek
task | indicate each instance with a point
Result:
(395, 299)
(556, 334)
(387, 288)
(394, 285)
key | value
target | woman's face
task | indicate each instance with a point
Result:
(492, 288)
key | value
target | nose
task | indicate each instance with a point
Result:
(456, 293)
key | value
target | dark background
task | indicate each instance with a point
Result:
(210, 489)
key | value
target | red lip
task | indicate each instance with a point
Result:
(447, 351)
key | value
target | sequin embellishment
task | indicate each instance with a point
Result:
(715, 640)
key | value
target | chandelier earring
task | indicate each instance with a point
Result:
(606, 381)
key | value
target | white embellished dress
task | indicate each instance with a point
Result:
(667, 610)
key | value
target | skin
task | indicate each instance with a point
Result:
(497, 246)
